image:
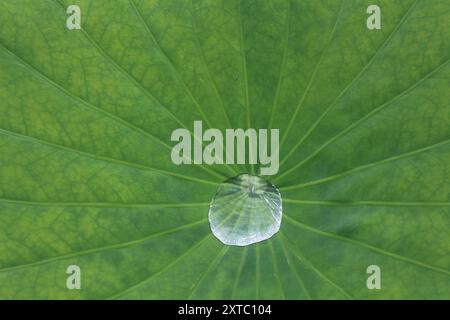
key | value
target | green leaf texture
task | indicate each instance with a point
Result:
(85, 170)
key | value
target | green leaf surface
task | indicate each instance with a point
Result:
(86, 176)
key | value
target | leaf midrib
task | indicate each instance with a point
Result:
(104, 248)
(368, 246)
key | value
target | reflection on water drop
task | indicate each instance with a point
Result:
(246, 209)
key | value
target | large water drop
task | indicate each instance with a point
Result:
(246, 209)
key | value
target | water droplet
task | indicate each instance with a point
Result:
(246, 209)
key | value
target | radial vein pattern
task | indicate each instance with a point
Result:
(86, 176)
